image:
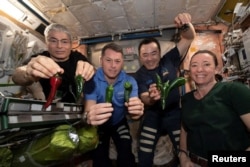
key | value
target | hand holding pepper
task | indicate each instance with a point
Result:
(154, 93)
(135, 108)
(55, 82)
(85, 69)
(99, 113)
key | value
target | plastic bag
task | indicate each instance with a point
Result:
(55, 147)
(50, 148)
(5, 157)
(88, 138)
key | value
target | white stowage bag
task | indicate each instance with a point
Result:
(164, 151)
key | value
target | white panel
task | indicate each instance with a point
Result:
(107, 17)
(45, 5)
(85, 13)
(75, 2)
(111, 10)
(118, 24)
(96, 27)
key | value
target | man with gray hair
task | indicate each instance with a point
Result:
(58, 59)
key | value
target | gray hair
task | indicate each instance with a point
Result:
(56, 27)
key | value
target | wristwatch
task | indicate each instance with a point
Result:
(180, 151)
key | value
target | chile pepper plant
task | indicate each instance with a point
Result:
(166, 87)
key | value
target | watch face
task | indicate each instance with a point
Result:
(180, 152)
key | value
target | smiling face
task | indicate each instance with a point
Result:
(203, 69)
(59, 45)
(150, 55)
(112, 63)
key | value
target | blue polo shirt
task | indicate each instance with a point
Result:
(95, 89)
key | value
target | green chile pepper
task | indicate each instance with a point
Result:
(177, 82)
(79, 86)
(158, 82)
(109, 93)
(128, 89)
(165, 88)
(174, 84)
(164, 94)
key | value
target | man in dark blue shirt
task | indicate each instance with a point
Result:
(156, 121)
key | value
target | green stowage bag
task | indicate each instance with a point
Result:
(58, 146)
(88, 138)
(5, 157)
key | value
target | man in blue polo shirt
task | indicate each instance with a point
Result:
(110, 117)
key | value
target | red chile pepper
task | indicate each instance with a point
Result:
(55, 82)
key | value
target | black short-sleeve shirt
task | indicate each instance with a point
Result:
(68, 86)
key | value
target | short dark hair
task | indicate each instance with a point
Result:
(147, 41)
(225, 70)
(112, 46)
(208, 52)
(218, 77)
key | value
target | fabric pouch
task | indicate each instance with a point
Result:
(88, 138)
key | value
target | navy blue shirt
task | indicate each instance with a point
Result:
(167, 70)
